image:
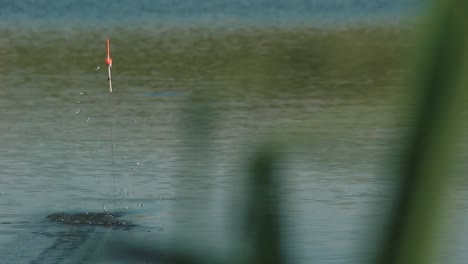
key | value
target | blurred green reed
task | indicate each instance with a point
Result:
(436, 103)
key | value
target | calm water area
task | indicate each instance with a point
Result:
(193, 99)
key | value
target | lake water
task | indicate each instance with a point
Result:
(193, 99)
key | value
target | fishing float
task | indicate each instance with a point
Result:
(109, 65)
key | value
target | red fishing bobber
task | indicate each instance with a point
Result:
(108, 61)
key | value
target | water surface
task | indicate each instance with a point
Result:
(169, 148)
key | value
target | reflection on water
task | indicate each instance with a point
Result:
(179, 165)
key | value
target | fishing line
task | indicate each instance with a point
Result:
(109, 77)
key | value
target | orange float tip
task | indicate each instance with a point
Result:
(108, 59)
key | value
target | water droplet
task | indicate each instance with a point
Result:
(133, 121)
(113, 146)
(97, 68)
(138, 163)
(82, 93)
(89, 118)
(132, 167)
(77, 102)
(140, 204)
(77, 111)
(104, 209)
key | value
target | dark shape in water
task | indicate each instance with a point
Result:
(94, 219)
